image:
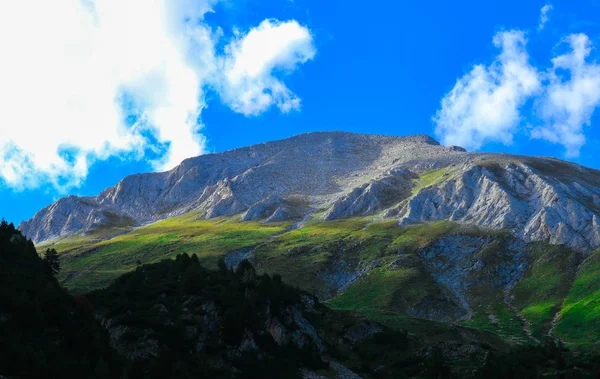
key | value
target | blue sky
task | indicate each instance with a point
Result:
(383, 67)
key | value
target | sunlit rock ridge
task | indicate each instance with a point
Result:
(334, 175)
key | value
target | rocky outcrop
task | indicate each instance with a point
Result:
(532, 204)
(372, 197)
(342, 274)
(463, 264)
(351, 175)
(71, 215)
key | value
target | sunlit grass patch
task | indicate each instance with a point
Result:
(541, 291)
(580, 314)
(376, 291)
(208, 239)
(430, 178)
(497, 317)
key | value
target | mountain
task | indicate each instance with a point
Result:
(413, 235)
(337, 175)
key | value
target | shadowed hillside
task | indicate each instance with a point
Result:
(45, 332)
(178, 319)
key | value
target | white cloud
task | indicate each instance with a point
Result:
(490, 103)
(569, 100)
(67, 66)
(249, 85)
(484, 104)
(544, 16)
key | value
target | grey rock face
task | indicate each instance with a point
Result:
(342, 274)
(456, 263)
(371, 197)
(348, 175)
(526, 197)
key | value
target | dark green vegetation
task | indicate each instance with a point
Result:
(550, 360)
(52, 261)
(175, 318)
(45, 332)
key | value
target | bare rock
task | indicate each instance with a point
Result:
(350, 175)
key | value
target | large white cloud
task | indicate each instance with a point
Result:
(484, 105)
(72, 71)
(571, 96)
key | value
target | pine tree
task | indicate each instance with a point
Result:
(52, 261)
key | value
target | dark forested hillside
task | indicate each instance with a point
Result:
(45, 332)
(177, 319)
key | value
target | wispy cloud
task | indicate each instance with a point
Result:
(484, 105)
(571, 96)
(544, 16)
(74, 73)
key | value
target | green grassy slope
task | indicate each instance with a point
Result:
(89, 263)
(579, 321)
(396, 276)
(541, 291)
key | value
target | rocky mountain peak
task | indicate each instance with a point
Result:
(412, 179)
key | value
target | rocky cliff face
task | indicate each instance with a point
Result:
(338, 175)
(538, 199)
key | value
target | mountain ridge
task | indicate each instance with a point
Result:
(411, 179)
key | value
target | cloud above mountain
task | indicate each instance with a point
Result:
(249, 86)
(495, 102)
(571, 96)
(484, 105)
(85, 80)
